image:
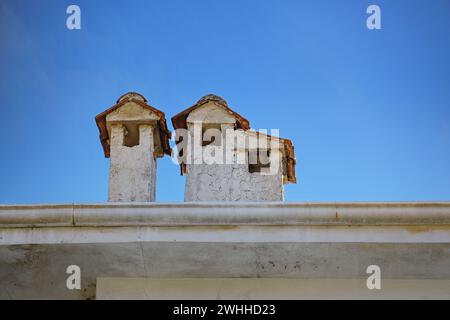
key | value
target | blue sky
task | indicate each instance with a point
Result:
(368, 111)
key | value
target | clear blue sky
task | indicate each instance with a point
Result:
(367, 111)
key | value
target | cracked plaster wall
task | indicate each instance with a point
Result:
(231, 181)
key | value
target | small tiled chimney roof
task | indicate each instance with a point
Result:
(139, 99)
(179, 120)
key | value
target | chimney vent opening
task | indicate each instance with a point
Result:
(258, 160)
(211, 135)
(131, 135)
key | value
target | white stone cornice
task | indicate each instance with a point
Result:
(225, 214)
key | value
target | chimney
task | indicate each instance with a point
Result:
(133, 134)
(224, 160)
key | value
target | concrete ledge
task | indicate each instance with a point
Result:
(24, 216)
(224, 214)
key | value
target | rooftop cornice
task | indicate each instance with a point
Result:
(225, 214)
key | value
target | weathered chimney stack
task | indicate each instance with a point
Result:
(133, 134)
(218, 168)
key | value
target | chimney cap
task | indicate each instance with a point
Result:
(139, 99)
(212, 97)
(180, 121)
(131, 95)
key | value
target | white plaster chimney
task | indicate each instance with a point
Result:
(241, 176)
(133, 134)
